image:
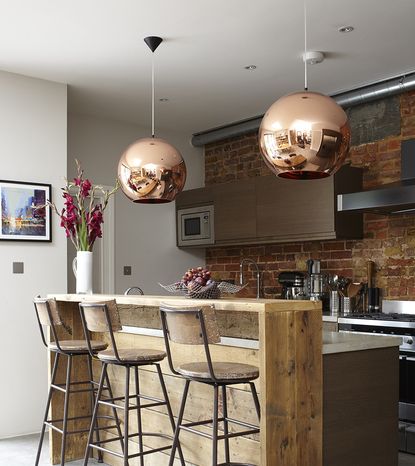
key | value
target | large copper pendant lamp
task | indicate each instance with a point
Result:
(151, 171)
(305, 135)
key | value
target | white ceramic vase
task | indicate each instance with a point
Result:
(82, 269)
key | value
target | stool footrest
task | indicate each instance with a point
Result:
(111, 402)
(61, 387)
(144, 434)
(120, 455)
(236, 464)
(97, 444)
(68, 432)
(189, 428)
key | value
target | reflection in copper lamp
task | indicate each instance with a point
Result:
(305, 135)
(151, 170)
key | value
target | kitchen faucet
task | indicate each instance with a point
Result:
(258, 275)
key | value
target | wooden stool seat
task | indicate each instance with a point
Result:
(77, 346)
(132, 355)
(224, 371)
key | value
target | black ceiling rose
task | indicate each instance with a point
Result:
(153, 42)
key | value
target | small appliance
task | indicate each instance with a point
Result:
(293, 285)
(195, 226)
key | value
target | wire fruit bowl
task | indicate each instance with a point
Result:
(196, 291)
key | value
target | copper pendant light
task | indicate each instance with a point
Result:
(305, 135)
(151, 171)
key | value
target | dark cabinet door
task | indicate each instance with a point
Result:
(291, 210)
(235, 216)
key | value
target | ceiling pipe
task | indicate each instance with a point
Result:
(362, 95)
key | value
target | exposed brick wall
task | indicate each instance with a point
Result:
(388, 240)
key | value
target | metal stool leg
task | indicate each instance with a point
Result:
(215, 426)
(169, 411)
(139, 424)
(45, 417)
(91, 378)
(225, 423)
(66, 409)
(256, 400)
(126, 413)
(95, 413)
(179, 421)
(114, 411)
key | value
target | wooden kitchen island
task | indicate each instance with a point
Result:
(285, 340)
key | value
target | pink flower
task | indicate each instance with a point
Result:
(81, 217)
(85, 188)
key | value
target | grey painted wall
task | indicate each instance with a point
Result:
(32, 148)
(145, 235)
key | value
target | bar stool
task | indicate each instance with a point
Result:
(198, 326)
(96, 318)
(47, 313)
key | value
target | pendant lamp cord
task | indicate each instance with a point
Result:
(152, 95)
(305, 47)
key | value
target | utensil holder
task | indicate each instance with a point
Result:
(334, 302)
(347, 304)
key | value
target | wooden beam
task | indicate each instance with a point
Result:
(291, 386)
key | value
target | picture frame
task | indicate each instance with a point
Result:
(22, 217)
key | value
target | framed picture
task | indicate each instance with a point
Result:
(23, 214)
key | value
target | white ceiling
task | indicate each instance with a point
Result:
(96, 47)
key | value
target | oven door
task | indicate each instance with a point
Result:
(407, 387)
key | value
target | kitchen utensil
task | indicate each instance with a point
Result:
(373, 293)
(371, 269)
(353, 289)
(373, 299)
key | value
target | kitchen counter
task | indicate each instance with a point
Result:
(333, 342)
(289, 335)
(322, 408)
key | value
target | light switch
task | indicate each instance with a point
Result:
(18, 267)
(127, 269)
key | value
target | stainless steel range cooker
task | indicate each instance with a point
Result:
(397, 318)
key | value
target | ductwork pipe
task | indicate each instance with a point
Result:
(346, 99)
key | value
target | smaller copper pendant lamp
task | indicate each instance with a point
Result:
(151, 171)
(305, 135)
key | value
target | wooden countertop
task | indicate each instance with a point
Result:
(225, 304)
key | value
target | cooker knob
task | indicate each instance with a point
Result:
(409, 341)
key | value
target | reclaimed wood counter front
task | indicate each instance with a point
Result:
(290, 384)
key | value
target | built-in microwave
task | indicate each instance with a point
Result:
(195, 226)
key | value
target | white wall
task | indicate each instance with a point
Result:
(145, 235)
(32, 148)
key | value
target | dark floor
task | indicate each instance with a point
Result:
(21, 451)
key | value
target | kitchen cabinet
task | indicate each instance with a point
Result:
(235, 212)
(268, 209)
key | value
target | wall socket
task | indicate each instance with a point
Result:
(127, 269)
(18, 267)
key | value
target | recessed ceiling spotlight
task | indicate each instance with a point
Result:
(346, 29)
(250, 67)
(164, 99)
